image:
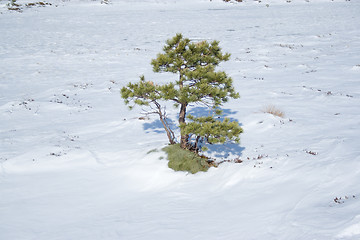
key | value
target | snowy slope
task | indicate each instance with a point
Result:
(77, 164)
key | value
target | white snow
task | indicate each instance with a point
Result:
(75, 163)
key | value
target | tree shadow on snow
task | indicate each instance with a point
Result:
(204, 111)
(157, 127)
(216, 150)
(224, 151)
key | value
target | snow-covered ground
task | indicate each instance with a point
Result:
(77, 164)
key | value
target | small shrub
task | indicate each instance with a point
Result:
(271, 109)
(185, 160)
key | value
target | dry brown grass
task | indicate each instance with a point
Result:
(271, 109)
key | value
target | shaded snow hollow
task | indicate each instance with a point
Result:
(75, 163)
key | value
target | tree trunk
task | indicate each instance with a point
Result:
(169, 132)
(184, 139)
(162, 115)
(197, 144)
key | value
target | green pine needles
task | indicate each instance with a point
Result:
(198, 84)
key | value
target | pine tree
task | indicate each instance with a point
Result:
(198, 83)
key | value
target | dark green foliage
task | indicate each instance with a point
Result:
(185, 160)
(198, 83)
(208, 129)
(147, 94)
(141, 93)
(195, 63)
